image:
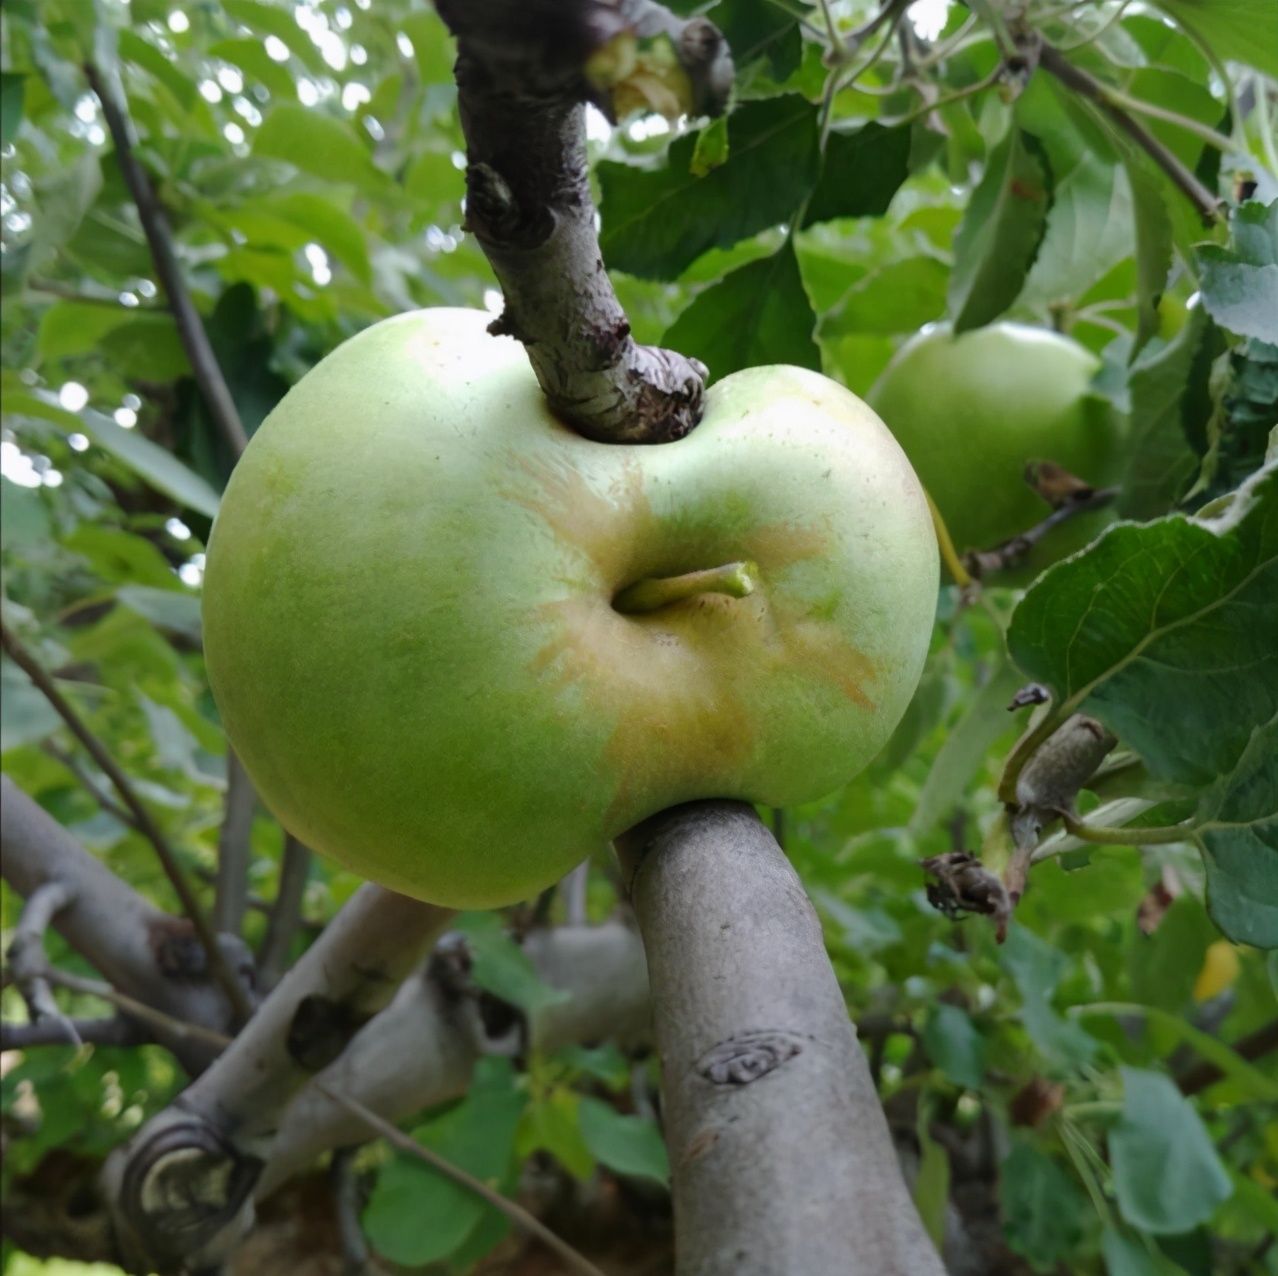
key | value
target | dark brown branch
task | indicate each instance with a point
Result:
(105, 1030)
(233, 847)
(1086, 85)
(285, 917)
(1011, 553)
(522, 86)
(1252, 1047)
(345, 1185)
(159, 238)
(146, 825)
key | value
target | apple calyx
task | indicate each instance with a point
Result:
(737, 580)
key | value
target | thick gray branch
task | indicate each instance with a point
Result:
(183, 1184)
(522, 93)
(762, 1076)
(146, 953)
(420, 1050)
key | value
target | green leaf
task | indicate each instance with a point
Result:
(658, 221)
(1165, 632)
(75, 327)
(135, 49)
(1237, 831)
(1167, 1176)
(334, 229)
(25, 715)
(1161, 463)
(119, 557)
(501, 967)
(12, 92)
(1125, 1256)
(1252, 1083)
(149, 461)
(966, 746)
(250, 57)
(756, 29)
(415, 1215)
(320, 145)
(932, 1182)
(1153, 242)
(552, 1124)
(862, 169)
(1233, 29)
(1044, 1210)
(164, 608)
(1000, 233)
(629, 1145)
(1239, 284)
(954, 1043)
(757, 315)
(1036, 968)
(712, 147)
(901, 296)
(434, 49)
(269, 19)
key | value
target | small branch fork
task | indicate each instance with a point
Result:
(27, 965)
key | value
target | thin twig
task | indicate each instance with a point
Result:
(516, 1213)
(1251, 1047)
(159, 237)
(146, 825)
(136, 1009)
(27, 961)
(101, 1030)
(1086, 85)
(1013, 552)
(286, 913)
(233, 848)
(90, 786)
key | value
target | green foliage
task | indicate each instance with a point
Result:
(308, 159)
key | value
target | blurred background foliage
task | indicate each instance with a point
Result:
(311, 164)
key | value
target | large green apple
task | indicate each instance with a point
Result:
(971, 411)
(428, 635)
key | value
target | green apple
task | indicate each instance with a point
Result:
(972, 411)
(458, 647)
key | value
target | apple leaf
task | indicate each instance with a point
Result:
(759, 314)
(1153, 242)
(1236, 829)
(1240, 283)
(1000, 233)
(901, 296)
(629, 1145)
(756, 29)
(12, 92)
(1167, 1176)
(1125, 1256)
(955, 1044)
(1161, 463)
(1232, 29)
(325, 147)
(1037, 968)
(862, 169)
(415, 1215)
(1165, 631)
(1044, 1210)
(656, 222)
(499, 966)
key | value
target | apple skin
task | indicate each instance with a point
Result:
(408, 621)
(971, 411)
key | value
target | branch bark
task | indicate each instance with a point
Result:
(762, 1077)
(285, 917)
(183, 1185)
(145, 953)
(522, 89)
(231, 899)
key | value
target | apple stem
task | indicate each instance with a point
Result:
(737, 580)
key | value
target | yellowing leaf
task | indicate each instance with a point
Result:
(1219, 970)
